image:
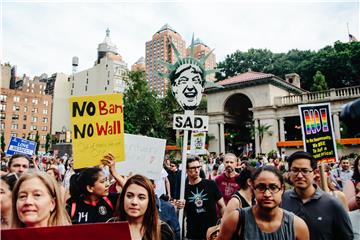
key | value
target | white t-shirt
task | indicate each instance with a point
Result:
(355, 222)
(160, 184)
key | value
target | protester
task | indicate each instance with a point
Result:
(214, 173)
(202, 196)
(265, 220)
(324, 215)
(342, 173)
(69, 171)
(226, 181)
(6, 186)
(54, 172)
(90, 200)
(36, 202)
(19, 163)
(349, 188)
(137, 205)
(244, 197)
(355, 215)
(174, 179)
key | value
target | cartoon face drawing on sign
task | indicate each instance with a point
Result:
(188, 85)
(187, 77)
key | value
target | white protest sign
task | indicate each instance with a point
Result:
(198, 143)
(191, 122)
(143, 155)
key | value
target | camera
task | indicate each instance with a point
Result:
(350, 115)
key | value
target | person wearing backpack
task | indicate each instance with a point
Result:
(90, 200)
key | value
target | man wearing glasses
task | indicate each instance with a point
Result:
(201, 197)
(324, 215)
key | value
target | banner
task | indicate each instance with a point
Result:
(22, 146)
(317, 130)
(73, 232)
(97, 128)
(144, 155)
(198, 143)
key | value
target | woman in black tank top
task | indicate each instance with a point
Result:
(244, 197)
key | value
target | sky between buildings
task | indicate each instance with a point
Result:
(43, 36)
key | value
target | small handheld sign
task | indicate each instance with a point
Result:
(20, 145)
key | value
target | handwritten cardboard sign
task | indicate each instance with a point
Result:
(118, 230)
(317, 130)
(144, 155)
(97, 128)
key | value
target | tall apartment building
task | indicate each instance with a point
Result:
(139, 65)
(200, 50)
(8, 76)
(26, 111)
(159, 49)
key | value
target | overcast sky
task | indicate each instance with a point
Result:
(43, 36)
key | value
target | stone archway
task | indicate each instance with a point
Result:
(238, 120)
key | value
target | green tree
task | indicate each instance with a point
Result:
(319, 83)
(48, 142)
(37, 140)
(262, 130)
(142, 109)
(3, 144)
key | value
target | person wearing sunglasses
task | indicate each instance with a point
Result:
(264, 220)
(202, 196)
(324, 214)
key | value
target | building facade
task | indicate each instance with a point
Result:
(158, 50)
(26, 112)
(253, 99)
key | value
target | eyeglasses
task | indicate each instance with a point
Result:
(304, 171)
(273, 188)
(193, 168)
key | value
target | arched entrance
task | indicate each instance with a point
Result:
(238, 122)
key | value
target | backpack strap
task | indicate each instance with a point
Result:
(239, 233)
(107, 200)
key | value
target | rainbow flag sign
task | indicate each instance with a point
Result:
(317, 131)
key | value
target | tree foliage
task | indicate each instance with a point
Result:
(2, 140)
(48, 142)
(142, 108)
(261, 130)
(319, 83)
(37, 140)
(340, 64)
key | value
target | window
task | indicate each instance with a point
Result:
(35, 101)
(46, 102)
(32, 136)
(3, 115)
(24, 118)
(13, 134)
(35, 110)
(45, 111)
(2, 126)
(14, 126)
(16, 99)
(45, 120)
(33, 127)
(16, 108)
(15, 117)
(25, 108)
(25, 100)
(33, 119)
(3, 107)
(44, 128)
(24, 126)
(3, 98)
(43, 137)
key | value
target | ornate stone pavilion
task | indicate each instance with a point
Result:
(260, 99)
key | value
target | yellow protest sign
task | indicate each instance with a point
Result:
(97, 128)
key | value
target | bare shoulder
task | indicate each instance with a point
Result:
(228, 225)
(301, 229)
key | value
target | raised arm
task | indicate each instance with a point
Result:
(228, 226)
(109, 160)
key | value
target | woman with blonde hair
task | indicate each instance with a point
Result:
(37, 202)
(137, 205)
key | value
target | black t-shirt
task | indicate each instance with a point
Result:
(86, 213)
(200, 207)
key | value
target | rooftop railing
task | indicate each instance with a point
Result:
(312, 97)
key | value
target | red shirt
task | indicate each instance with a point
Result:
(227, 186)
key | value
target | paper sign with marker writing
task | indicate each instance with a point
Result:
(97, 128)
(144, 155)
(198, 143)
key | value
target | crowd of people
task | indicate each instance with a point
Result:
(226, 197)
